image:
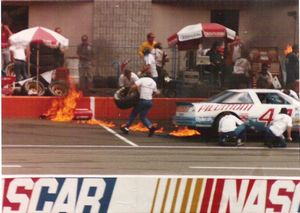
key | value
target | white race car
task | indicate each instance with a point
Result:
(256, 106)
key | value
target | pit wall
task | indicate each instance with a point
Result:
(150, 194)
(103, 107)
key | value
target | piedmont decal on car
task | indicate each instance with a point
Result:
(223, 107)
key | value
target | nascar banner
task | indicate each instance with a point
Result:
(74, 194)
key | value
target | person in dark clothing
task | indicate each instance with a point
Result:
(58, 53)
(85, 54)
(217, 62)
(292, 66)
(265, 78)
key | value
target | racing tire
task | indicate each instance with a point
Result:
(33, 87)
(9, 69)
(59, 89)
(125, 100)
(170, 93)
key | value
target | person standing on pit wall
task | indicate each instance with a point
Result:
(5, 53)
(147, 88)
(235, 49)
(292, 66)
(241, 74)
(58, 54)
(127, 79)
(274, 132)
(147, 44)
(150, 64)
(265, 78)
(160, 58)
(217, 62)
(85, 54)
(19, 55)
(231, 127)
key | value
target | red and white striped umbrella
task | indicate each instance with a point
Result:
(198, 31)
(39, 35)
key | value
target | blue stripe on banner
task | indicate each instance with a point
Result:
(105, 201)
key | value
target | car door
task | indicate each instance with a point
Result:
(268, 105)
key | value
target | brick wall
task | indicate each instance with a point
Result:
(119, 28)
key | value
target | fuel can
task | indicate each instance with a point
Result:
(82, 114)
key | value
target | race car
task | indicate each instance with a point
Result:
(257, 107)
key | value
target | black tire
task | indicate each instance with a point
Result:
(33, 87)
(9, 69)
(123, 100)
(60, 89)
(170, 93)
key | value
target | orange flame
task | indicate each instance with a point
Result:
(139, 127)
(184, 132)
(62, 110)
(98, 122)
(288, 49)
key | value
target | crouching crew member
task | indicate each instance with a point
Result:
(147, 88)
(274, 132)
(231, 127)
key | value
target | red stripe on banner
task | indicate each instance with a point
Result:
(19, 190)
(250, 186)
(218, 195)
(206, 197)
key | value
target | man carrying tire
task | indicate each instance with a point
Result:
(147, 88)
(231, 128)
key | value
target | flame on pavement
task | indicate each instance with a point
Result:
(184, 132)
(139, 127)
(62, 110)
(288, 49)
(98, 122)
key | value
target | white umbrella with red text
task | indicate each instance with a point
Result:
(39, 35)
(192, 34)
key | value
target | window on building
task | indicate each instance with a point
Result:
(228, 18)
(15, 16)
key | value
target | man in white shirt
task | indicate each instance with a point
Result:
(150, 64)
(240, 74)
(274, 132)
(127, 79)
(160, 58)
(231, 127)
(19, 53)
(147, 88)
